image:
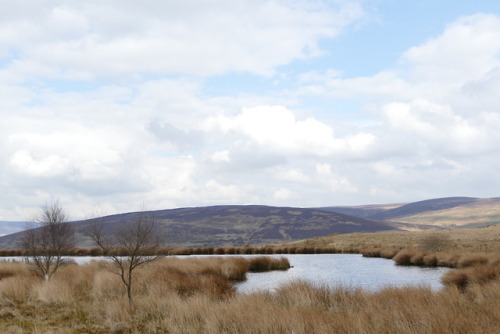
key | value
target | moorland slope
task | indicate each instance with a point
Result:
(444, 212)
(233, 225)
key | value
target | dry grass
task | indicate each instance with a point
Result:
(196, 295)
(464, 278)
(449, 258)
(485, 210)
(478, 239)
(263, 263)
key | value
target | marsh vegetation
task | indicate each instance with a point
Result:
(197, 295)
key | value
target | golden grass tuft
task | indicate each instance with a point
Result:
(463, 278)
(383, 252)
(450, 258)
(263, 263)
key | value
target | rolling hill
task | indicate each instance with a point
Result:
(234, 226)
(9, 227)
(443, 212)
(239, 225)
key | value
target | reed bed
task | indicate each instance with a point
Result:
(449, 258)
(197, 295)
(245, 250)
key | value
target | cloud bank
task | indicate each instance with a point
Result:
(111, 106)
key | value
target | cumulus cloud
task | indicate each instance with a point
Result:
(83, 40)
(467, 50)
(440, 127)
(278, 129)
(184, 139)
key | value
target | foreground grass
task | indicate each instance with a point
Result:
(196, 295)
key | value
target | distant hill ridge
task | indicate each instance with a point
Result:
(234, 225)
(239, 225)
(444, 212)
(8, 227)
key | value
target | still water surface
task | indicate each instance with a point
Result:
(350, 270)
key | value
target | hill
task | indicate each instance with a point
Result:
(484, 238)
(444, 212)
(9, 227)
(239, 225)
(234, 226)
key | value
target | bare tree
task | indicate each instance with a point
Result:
(130, 246)
(47, 238)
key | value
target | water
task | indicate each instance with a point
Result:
(350, 270)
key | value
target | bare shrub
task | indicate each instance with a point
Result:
(130, 247)
(47, 239)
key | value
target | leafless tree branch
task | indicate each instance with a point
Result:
(131, 245)
(47, 238)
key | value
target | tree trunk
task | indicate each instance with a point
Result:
(129, 287)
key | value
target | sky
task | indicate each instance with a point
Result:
(110, 106)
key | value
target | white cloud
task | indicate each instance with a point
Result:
(333, 181)
(217, 191)
(443, 129)
(66, 153)
(276, 128)
(284, 194)
(383, 85)
(220, 156)
(294, 175)
(467, 50)
(75, 39)
(45, 166)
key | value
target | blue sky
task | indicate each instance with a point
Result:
(112, 106)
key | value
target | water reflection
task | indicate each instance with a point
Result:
(350, 270)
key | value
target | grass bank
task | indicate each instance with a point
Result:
(482, 239)
(470, 239)
(197, 295)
